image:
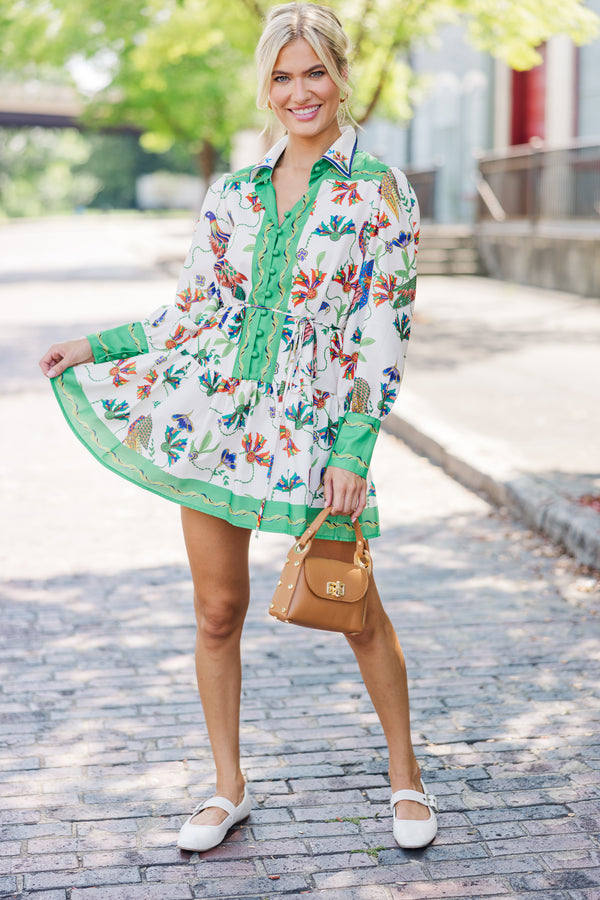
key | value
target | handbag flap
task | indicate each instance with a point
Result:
(334, 579)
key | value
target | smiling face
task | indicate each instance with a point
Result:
(303, 95)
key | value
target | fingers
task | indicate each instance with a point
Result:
(345, 492)
(61, 356)
(54, 362)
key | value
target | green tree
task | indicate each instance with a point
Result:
(182, 70)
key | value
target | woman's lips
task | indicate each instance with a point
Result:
(305, 112)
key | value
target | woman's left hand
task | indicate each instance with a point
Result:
(345, 492)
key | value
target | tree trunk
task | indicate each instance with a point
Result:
(206, 161)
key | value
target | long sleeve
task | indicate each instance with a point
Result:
(377, 330)
(172, 325)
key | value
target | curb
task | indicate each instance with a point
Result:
(484, 467)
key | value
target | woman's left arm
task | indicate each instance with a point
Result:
(375, 340)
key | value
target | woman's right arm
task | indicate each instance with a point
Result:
(68, 353)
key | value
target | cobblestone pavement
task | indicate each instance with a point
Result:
(103, 751)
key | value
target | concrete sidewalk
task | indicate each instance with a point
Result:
(503, 390)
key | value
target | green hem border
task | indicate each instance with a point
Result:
(283, 518)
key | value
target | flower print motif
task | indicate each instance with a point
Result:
(381, 222)
(348, 362)
(210, 383)
(173, 378)
(114, 410)
(338, 226)
(288, 484)
(287, 333)
(120, 371)
(254, 201)
(286, 436)
(203, 356)
(347, 277)
(200, 281)
(337, 157)
(229, 277)
(234, 185)
(183, 421)
(320, 398)
(388, 395)
(228, 386)
(385, 288)
(255, 454)
(186, 298)
(173, 444)
(403, 327)
(235, 325)
(306, 288)
(346, 190)
(179, 337)
(300, 414)
(237, 418)
(392, 373)
(403, 240)
(327, 434)
(218, 239)
(160, 360)
(157, 321)
(301, 254)
(228, 459)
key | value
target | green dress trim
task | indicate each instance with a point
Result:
(244, 512)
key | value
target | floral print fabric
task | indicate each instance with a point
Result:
(281, 355)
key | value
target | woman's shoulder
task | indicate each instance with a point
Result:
(368, 167)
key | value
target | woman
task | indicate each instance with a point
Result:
(256, 399)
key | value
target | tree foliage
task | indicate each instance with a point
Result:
(182, 70)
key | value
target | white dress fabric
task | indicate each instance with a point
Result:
(282, 353)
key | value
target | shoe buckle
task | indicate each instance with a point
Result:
(431, 801)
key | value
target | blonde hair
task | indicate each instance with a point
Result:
(320, 27)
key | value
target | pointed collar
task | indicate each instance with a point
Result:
(340, 155)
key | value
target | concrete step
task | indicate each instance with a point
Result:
(448, 250)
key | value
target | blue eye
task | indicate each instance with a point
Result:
(317, 74)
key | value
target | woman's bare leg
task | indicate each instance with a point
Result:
(382, 667)
(218, 555)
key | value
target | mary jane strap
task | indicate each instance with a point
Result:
(426, 799)
(218, 802)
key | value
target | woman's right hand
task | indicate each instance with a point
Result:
(68, 353)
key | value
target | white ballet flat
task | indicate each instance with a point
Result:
(413, 833)
(204, 837)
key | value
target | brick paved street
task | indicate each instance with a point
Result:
(102, 745)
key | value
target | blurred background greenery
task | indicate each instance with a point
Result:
(167, 84)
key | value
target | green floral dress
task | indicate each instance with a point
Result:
(281, 355)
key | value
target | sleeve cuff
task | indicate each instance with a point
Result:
(118, 343)
(354, 443)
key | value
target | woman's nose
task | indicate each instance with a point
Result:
(300, 91)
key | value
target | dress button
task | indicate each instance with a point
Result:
(255, 354)
(263, 313)
(268, 294)
(276, 252)
(288, 214)
(272, 270)
(260, 332)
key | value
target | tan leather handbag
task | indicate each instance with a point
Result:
(323, 593)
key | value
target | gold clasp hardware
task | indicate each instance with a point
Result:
(336, 588)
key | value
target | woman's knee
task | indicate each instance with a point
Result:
(220, 616)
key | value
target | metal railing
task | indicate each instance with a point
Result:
(533, 182)
(423, 183)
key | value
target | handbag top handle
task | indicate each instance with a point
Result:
(362, 557)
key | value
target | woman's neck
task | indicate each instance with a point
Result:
(302, 153)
